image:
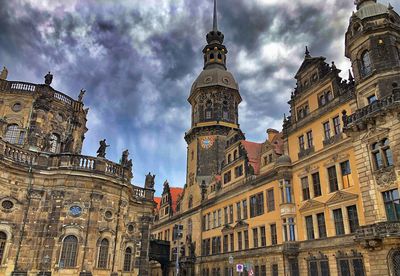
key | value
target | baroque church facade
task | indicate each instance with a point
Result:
(321, 197)
(63, 213)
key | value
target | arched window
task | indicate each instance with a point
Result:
(128, 259)
(103, 254)
(208, 111)
(387, 152)
(366, 67)
(69, 252)
(377, 156)
(3, 240)
(12, 134)
(212, 57)
(394, 263)
(235, 155)
(54, 143)
(219, 57)
(229, 158)
(190, 203)
(382, 154)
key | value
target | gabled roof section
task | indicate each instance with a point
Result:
(309, 62)
(340, 197)
(311, 205)
(253, 154)
(175, 194)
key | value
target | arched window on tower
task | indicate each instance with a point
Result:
(103, 254)
(14, 135)
(69, 252)
(366, 66)
(128, 259)
(225, 113)
(190, 202)
(211, 57)
(54, 143)
(208, 111)
(394, 262)
(3, 240)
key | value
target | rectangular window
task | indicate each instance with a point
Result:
(262, 236)
(239, 171)
(316, 184)
(256, 270)
(371, 99)
(246, 239)
(225, 243)
(244, 204)
(226, 219)
(263, 270)
(321, 225)
(227, 177)
(239, 236)
(238, 211)
(214, 219)
(305, 188)
(333, 181)
(353, 218)
(257, 205)
(209, 220)
(310, 228)
(274, 237)
(392, 204)
(232, 242)
(346, 171)
(338, 218)
(327, 130)
(301, 142)
(230, 213)
(219, 217)
(203, 223)
(274, 270)
(255, 237)
(336, 125)
(270, 200)
(310, 142)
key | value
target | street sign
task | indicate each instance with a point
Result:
(239, 268)
(231, 259)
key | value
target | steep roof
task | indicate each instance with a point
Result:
(253, 154)
(175, 194)
(157, 200)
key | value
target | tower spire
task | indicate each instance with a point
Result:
(215, 21)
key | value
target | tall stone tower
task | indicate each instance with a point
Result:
(372, 45)
(214, 98)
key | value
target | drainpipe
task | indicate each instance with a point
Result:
(21, 233)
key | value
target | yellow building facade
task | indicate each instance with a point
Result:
(318, 198)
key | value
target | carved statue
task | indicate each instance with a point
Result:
(124, 158)
(149, 182)
(4, 73)
(47, 142)
(81, 94)
(68, 143)
(129, 164)
(48, 78)
(101, 152)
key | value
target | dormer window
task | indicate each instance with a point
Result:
(325, 98)
(366, 66)
(371, 99)
(302, 111)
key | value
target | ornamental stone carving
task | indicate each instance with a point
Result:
(385, 177)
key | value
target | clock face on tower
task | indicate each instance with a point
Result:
(207, 142)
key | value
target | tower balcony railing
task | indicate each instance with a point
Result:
(362, 115)
(67, 161)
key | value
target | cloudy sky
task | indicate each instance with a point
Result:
(138, 59)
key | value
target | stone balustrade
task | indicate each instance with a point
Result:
(46, 161)
(378, 230)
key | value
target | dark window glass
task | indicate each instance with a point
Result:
(316, 184)
(240, 247)
(255, 237)
(305, 188)
(238, 211)
(344, 268)
(313, 266)
(353, 218)
(246, 239)
(321, 225)
(333, 182)
(346, 171)
(327, 130)
(310, 228)
(239, 171)
(127, 259)
(225, 243)
(324, 265)
(376, 154)
(274, 237)
(263, 270)
(244, 204)
(371, 99)
(392, 204)
(336, 125)
(263, 238)
(310, 142)
(232, 242)
(103, 254)
(230, 213)
(274, 270)
(366, 67)
(270, 200)
(226, 218)
(12, 134)
(3, 240)
(301, 142)
(257, 205)
(358, 267)
(387, 152)
(338, 218)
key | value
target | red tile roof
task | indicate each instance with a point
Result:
(157, 200)
(277, 142)
(253, 154)
(175, 194)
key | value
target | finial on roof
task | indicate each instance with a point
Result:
(215, 21)
(351, 78)
(4, 73)
(307, 53)
(390, 7)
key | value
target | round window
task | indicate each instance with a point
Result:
(131, 228)
(17, 107)
(7, 204)
(75, 210)
(108, 214)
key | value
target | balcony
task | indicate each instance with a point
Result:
(332, 140)
(359, 119)
(306, 152)
(288, 209)
(371, 236)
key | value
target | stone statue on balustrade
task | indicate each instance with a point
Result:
(149, 182)
(4, 73)
(101, 152)
(124, 158)
(81, 94)
(68, 143)
(48, 78)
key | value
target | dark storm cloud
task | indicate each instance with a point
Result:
(137, 60)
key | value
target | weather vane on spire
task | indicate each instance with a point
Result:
(215, 23)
